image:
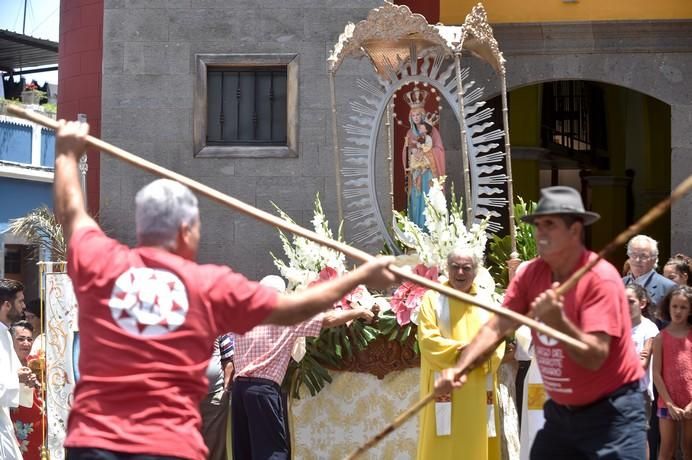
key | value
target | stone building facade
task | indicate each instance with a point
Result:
(149, 77)
(150, 80)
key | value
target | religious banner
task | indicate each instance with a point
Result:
(62, 345)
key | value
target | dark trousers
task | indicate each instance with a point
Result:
(613, 428)
(87, 453)
(519, 385)
(654, 434)
(257, 420)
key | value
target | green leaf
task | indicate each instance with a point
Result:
(347, 348)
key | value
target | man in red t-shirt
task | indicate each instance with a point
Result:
(148, 317)
(595, 408)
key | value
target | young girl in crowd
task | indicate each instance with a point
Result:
(643, 332)
(672, 372)
(678, 269)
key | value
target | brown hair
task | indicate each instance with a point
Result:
(9, 289)
(681, 265)
(686, 292)
(641, 295)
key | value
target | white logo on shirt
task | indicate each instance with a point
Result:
(148, 302)
(546, 340)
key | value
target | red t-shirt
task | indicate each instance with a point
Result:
(148, 319)
(597, 304)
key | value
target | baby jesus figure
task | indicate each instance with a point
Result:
(419, 161)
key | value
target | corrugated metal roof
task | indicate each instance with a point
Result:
(21, 51)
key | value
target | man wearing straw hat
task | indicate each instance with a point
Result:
(148, 317)
(595, 409)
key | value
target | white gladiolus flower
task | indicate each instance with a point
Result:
(446, 230)
(306, 259)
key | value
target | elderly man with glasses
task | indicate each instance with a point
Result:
(643, 258)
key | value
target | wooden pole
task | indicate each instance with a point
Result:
(468, 205)
(337, 154)
(278, 222)
(508, 165)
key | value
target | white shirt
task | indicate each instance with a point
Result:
(9, 395)
(640, 334)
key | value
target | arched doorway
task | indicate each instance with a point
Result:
(610, 142)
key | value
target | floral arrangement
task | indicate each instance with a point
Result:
(446, 231)
(306, 259)
(309, 263)
(31, 86)
(306, 263)
(407, 298)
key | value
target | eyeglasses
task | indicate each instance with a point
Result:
(639, 256)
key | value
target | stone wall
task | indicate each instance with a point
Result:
(148, 85)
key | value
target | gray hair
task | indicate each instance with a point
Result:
(160, 209)
(23, 324)
(476, 259)
(646, 240)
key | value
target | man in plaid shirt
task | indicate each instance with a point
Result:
(258, 421)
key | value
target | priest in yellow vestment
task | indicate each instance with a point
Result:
(457, 427)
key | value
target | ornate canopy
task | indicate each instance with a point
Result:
(392, 34)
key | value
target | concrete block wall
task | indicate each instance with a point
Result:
(147, 107)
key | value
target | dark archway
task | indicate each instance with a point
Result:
(610, 142)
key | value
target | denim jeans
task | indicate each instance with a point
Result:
(613, 428)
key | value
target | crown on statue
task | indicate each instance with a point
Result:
(416, 98)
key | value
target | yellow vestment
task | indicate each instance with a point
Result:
(469, 437)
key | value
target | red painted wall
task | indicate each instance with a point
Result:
(79, 79)
(428, 8)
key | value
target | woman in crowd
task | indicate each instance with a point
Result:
(28, 421)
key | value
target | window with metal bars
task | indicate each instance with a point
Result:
(573, 116)
(246, 106)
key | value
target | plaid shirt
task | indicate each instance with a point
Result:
(265, 351)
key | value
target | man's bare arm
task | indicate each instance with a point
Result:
(228, 370)
(333, 318)
(475, 353)
(70, 143)
(296, 307)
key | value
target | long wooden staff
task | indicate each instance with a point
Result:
(650, 216)
(263, 216)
